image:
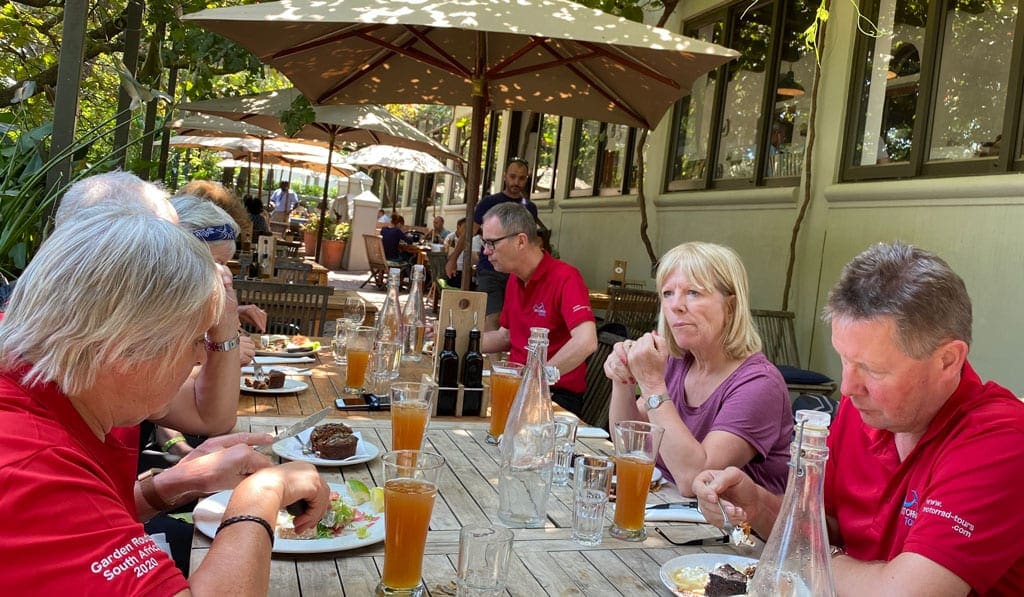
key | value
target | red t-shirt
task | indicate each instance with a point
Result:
(67, 492)
(955, 499)
(555, 297)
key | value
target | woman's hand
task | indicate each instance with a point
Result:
(616, 366)
(246, 348)
(253, 315)
(297, 482)
(648, 359)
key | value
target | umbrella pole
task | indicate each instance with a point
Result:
(248, 174)
(260, 196)
(476, 149)
(323, 200)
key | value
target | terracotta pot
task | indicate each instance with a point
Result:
(331, 252)
(309, 240)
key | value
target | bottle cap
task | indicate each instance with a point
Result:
(813, 419)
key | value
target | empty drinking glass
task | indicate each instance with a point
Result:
(565, 444)
(484, 553)
(592, 481)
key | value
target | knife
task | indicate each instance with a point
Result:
(296, 429)
(690, 505)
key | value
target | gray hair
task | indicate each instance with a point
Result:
(514, 219)
(927, 300)
(195, 213)
(111, 288)
(122, 189)
(713, 267)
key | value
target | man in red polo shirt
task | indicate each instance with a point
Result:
(923, 478)
(541, 292)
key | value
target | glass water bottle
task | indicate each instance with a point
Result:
(528, 444)
(389, 319)
(414, 319)
(796, 561)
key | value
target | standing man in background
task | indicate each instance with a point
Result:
(284, 200)
(517, 172)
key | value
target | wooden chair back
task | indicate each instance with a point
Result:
(294, 271)
(778, 343)
(291, 308)
(597, 397)
(378, 262)
(635, 308)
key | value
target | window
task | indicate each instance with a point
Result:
(602, 162)
(932, 95)
(750, 130)
(548, 128)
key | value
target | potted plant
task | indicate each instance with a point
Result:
(336, 234)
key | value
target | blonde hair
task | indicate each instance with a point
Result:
(109, 289)
(714, 267)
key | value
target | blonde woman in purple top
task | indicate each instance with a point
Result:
(702, 375)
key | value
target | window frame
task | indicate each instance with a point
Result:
(1010, 159)
(628, 184)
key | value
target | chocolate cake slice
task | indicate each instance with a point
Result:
(333, 441)
(725, 580)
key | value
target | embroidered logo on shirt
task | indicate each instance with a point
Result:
(909, 509)
(540, 310)
(958, 524)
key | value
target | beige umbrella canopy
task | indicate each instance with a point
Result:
(365, 124)
(551, 56)
(209, 125)
(398, 159)
(243, 146)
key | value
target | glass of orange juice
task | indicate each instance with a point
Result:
(410, 486)
(505, 378)
(636, 448)
(360, 343)
(411, 406)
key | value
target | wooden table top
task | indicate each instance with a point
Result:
(545, 561)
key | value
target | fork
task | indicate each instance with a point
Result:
(257, 371)
(727, 526)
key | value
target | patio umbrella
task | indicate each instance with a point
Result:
(360, 125)
(551, 56)
(398, 159)
(216, 126)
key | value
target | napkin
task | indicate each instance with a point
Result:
(592, 432)
(270, 360)
(247, 370)
(678, 512)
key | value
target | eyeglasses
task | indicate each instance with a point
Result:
(489, 243)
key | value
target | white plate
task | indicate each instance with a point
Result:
(295, 371)
(210, 511)
(285, 354)
(290, 387)
(592, 432)
(706, 560)
(283, 360)
(292, 450)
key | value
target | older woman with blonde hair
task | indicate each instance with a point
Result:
(702, 376)
(103, 328)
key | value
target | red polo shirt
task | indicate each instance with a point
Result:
(955, 499)
(555, 297)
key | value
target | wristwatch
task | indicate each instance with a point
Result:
(655, 400)
(225, 346)
(148, 489)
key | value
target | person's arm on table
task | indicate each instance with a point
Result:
(495, 341)
(906, 574)
(217, 464)
(745, 499)
(582, 343)
(238, 562)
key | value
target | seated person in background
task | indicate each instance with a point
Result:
(478, 244)
(542, 292)
(702, 375)
(383, 219)
(393, 236)
(922, 482)
(258, 217)
(438, 233)
(83, 352)
(224, 198)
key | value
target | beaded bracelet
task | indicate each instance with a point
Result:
(177, 439)
(247, 518)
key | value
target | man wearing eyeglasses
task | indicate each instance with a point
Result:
(541, 292)
(487, 278)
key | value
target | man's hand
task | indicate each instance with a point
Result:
(743, 499)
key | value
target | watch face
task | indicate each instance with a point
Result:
(654, 401)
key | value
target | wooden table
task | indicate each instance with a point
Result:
(335, 301)
(599, 299)
(419, 251)
(545, 561)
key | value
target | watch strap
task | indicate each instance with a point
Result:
(147, 486)
(225, 346)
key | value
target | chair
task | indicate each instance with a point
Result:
(636, 309)
(778, 339)
(294, 271)
(436, 262)
(379, 264)
(291, 308)
(598, 395)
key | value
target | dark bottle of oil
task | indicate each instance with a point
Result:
(472, 375)
(448, 375)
